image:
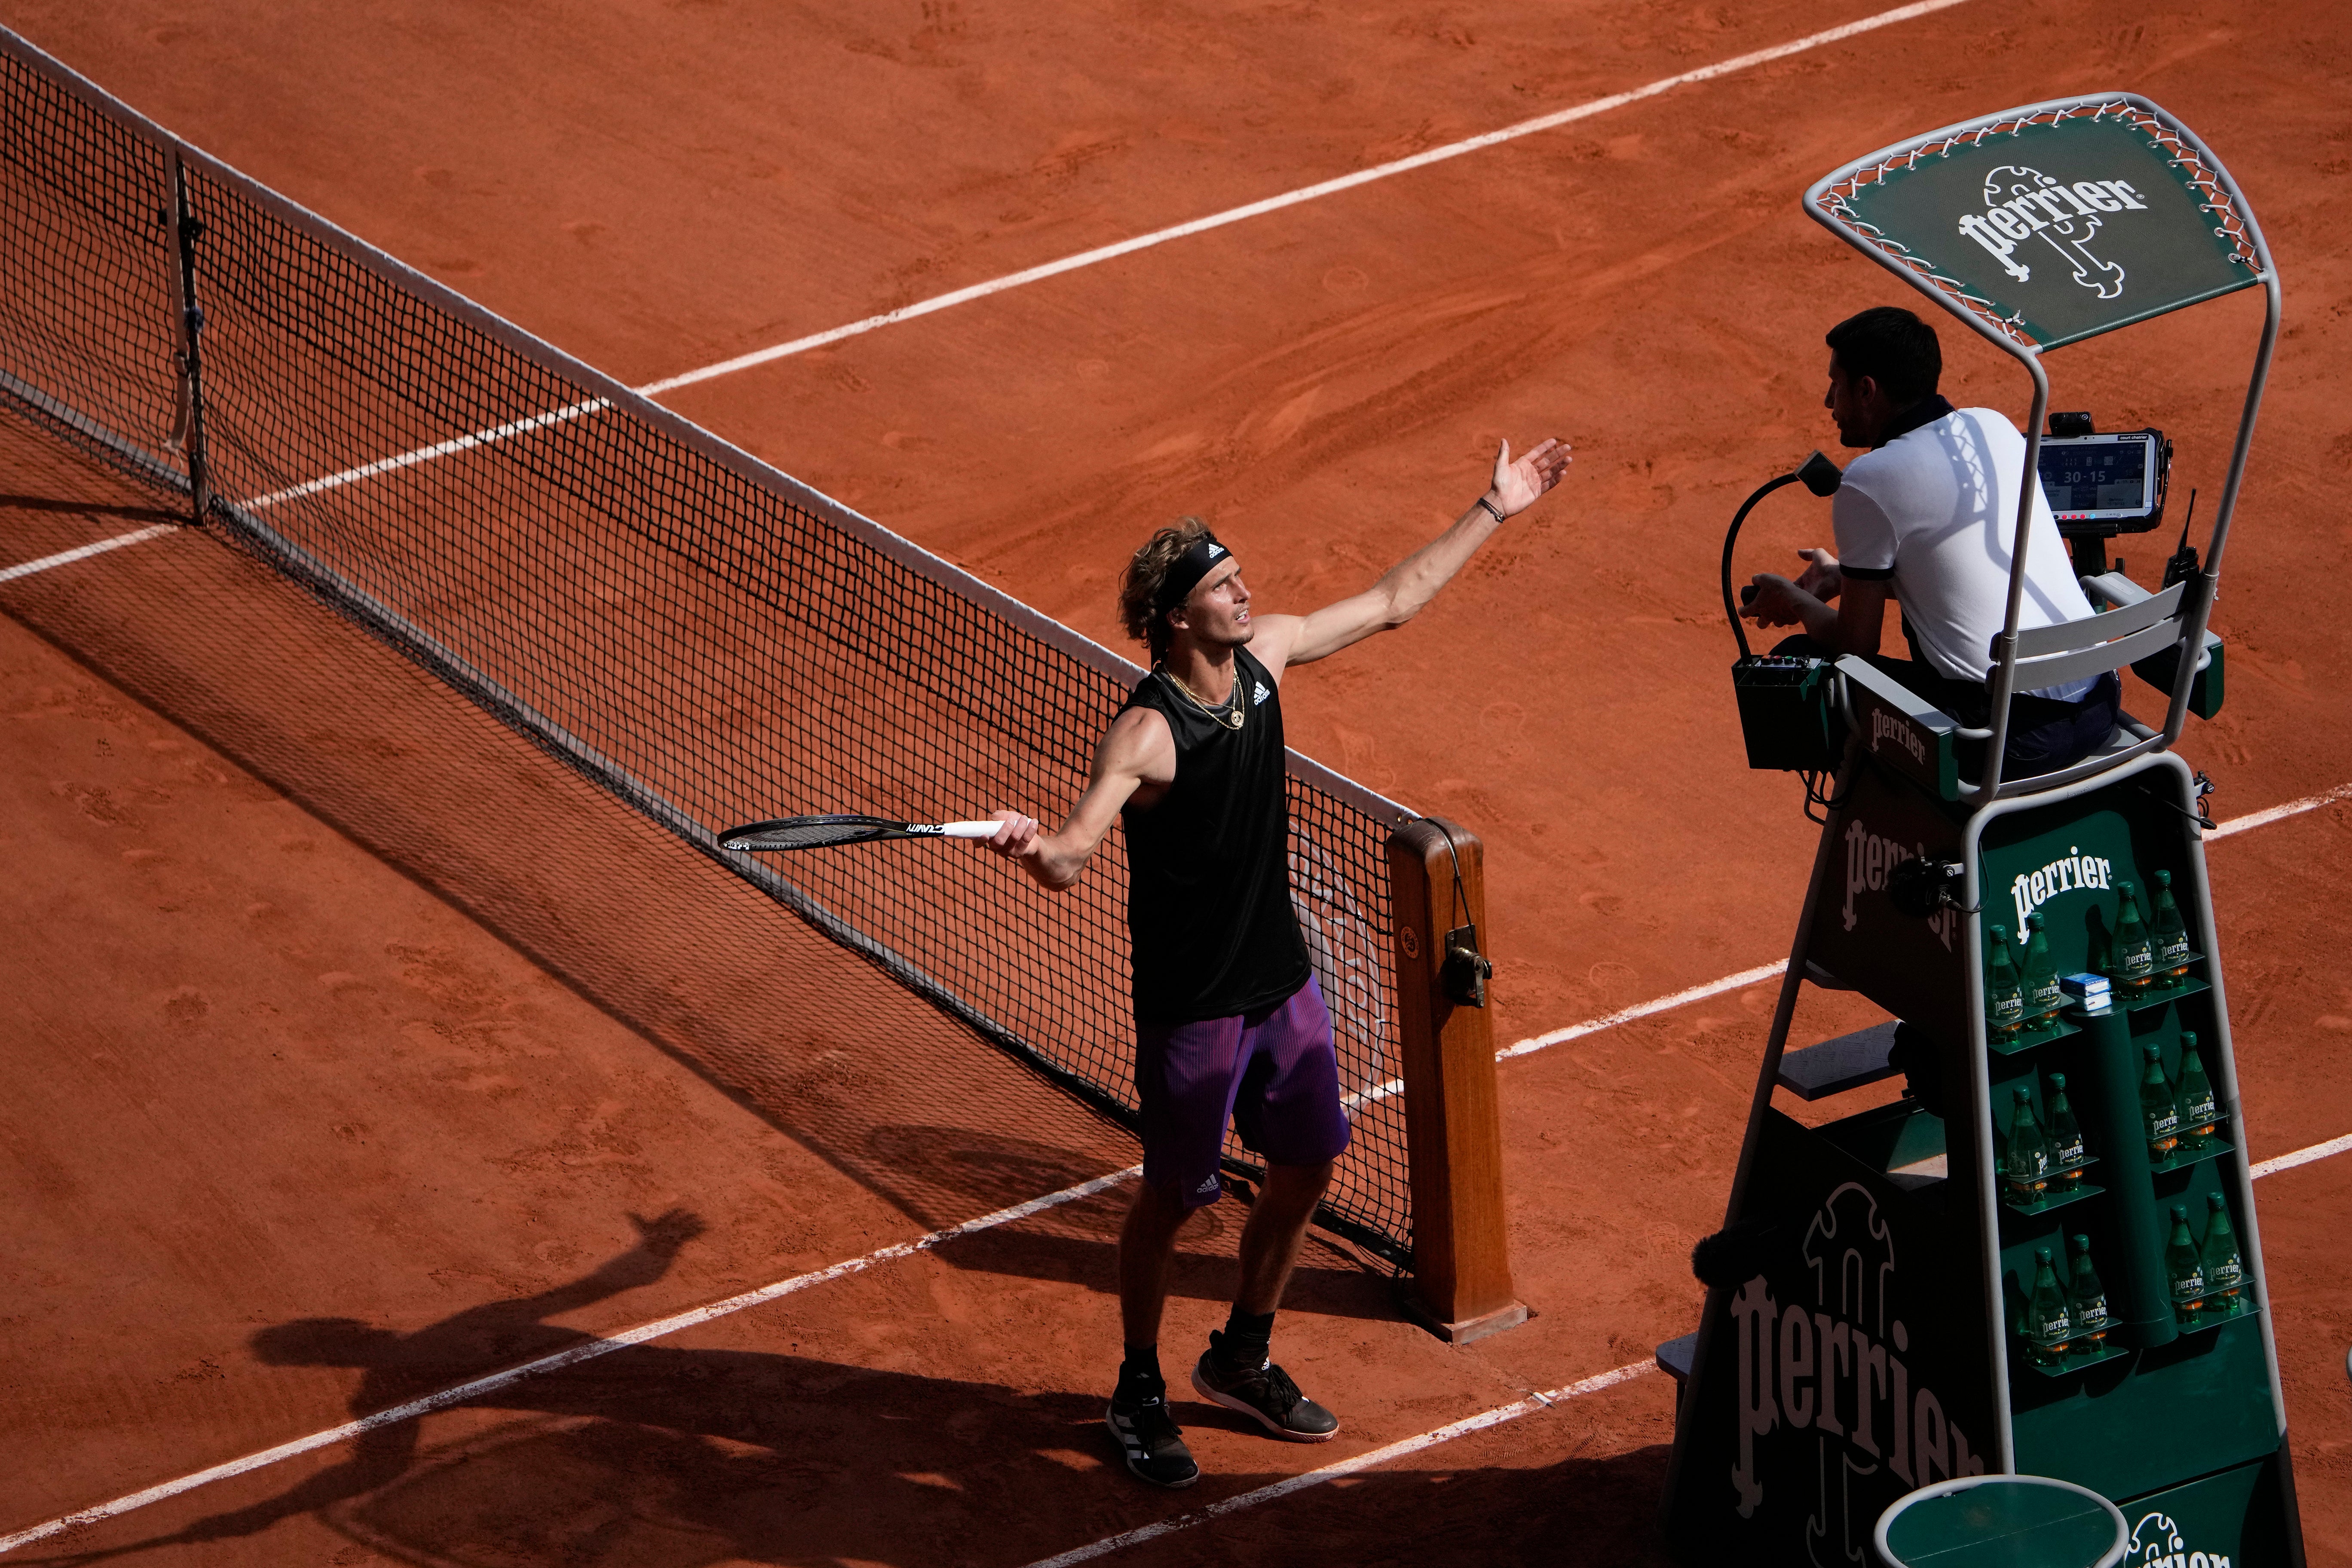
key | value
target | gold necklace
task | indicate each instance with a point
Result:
(1230, 713)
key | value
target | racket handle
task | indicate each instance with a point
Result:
(971, 829)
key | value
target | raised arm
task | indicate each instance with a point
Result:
(1137, 754)
(1407, 588)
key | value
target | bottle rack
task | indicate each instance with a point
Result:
(2057, 1194)
(2073, 1363)
(2042, 1031)
(2070, 1016)
(2184, 1159)
(2207, 1321)
(2067, 1036)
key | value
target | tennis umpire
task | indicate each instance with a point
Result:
(1927, 515)
(1228, 1020)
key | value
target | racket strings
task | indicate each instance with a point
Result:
(814, 833)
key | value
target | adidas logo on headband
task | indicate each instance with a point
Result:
(1185, 573)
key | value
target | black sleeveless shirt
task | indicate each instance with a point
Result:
(1208, 865)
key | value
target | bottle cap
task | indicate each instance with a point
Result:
(2058, 1081)
(2042, 1253)
(2216, 1202)
(1999, 933)
(2187, 1039)
(2155, 1052)
(2180, 1213)
(2164, 879)
(2025, 1095)
(2083, 1243)
(2033, 920)
(2126, 888)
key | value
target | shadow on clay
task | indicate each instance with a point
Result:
(655, 1457)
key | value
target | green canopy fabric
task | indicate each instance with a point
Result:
(2054, 223)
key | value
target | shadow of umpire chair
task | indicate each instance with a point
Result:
(1919, 1292)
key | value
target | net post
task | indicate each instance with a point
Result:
(1461, 1283)
(187, 326)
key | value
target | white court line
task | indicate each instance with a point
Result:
(587, 1350)
(426, 454)
(799, 1282)
(1746, 977)
(83, 553)
(1594, 1025)
(1123, 248)
(1764, 971)
(2300, 1157)
(2291, 808)
(1305, 194)
(1364, 1461)
(1478, 1423)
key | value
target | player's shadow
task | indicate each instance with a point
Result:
(657, 1455)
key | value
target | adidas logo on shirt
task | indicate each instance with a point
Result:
(1261, 695)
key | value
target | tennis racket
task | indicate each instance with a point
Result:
(824, 832)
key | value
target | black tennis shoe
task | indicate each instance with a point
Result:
(1151, 1442)
(1264, 1391)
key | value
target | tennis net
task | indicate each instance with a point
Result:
(703, 637)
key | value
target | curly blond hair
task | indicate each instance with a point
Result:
(1146, 571)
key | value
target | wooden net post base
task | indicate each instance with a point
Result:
(1460, 1288)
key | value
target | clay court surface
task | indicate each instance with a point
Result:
(354, 1052)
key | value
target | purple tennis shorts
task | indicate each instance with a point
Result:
(1274, 1073)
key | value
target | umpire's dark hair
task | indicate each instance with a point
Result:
(1894, 348)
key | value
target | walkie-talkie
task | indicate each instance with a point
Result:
(2182, 566)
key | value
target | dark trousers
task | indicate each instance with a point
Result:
(2044, 735)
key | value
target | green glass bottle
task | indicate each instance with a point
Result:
(2004, 993)
(2225, 1270)
(2159, 1112)
(2087, 1302)
(2170, 940)
(2201, 1111)
(2026, 1158)
(2066, 1152)
(2048, 1329)
(2184, 1271)
(2132, 962)
(2043, 997)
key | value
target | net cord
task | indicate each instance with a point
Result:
(903, 550)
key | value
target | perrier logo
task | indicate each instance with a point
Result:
(1821, 1368)
(2023, 204)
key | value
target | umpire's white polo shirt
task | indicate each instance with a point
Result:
(1934, 510)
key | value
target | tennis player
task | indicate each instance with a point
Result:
(1230, 1023)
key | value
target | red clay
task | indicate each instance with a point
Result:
(657, 190)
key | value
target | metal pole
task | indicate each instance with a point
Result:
(2192, 642)
(2029, 486)
(2004, 1439)
(186, 231)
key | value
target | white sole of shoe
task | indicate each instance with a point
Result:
(1229, 1402)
